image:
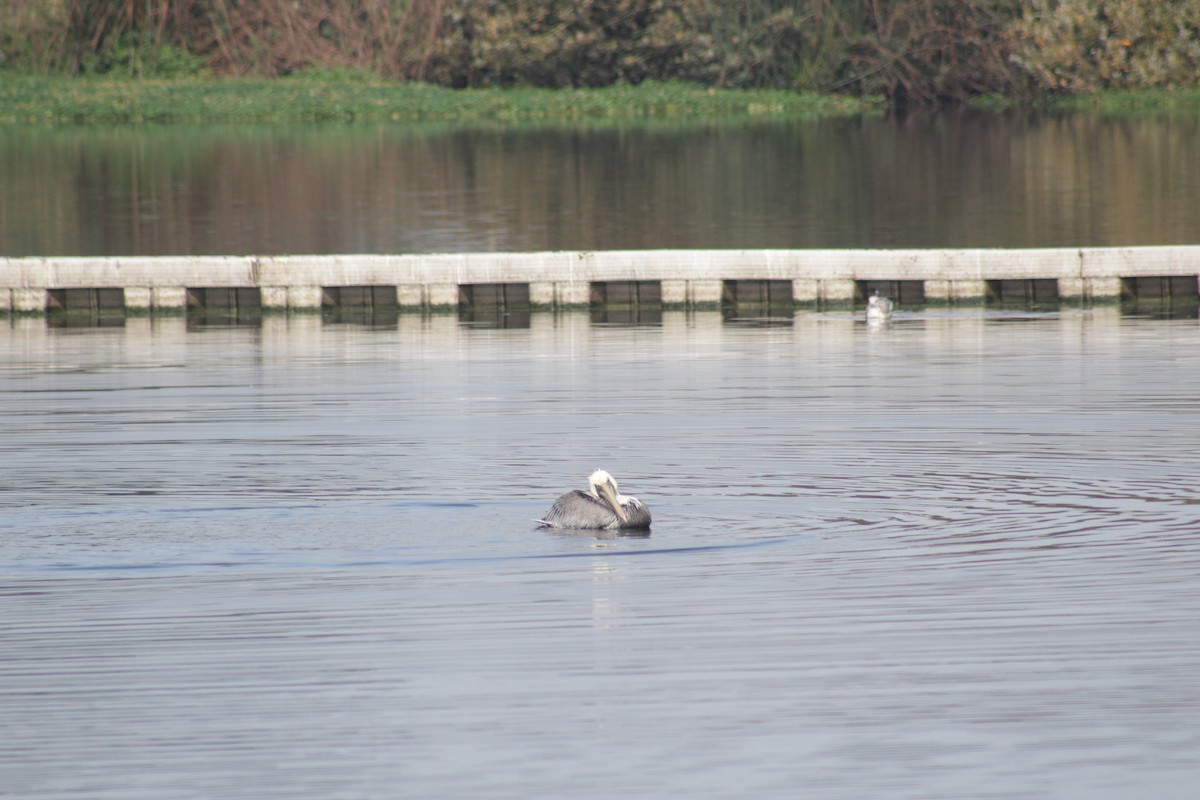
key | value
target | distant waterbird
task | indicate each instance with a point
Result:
(602, 506)
(879, 308)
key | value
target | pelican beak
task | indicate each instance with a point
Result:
(610, 494)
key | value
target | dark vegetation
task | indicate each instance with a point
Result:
(917, 51)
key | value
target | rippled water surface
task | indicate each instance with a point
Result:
(957, 557)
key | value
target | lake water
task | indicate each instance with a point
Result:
(955, 557)
(953, 179)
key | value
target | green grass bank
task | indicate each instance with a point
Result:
(352, 98)
(60, 100)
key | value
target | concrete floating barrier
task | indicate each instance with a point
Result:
(670, 278)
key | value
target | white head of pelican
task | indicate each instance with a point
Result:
(601, 506)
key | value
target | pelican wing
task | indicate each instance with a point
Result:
(638, 516)
(578, 509)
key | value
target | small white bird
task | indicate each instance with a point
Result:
(879, 308)
(601, 506)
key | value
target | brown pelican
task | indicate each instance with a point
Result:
(601, 506)
(879, 308)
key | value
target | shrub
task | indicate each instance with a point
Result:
(557, 43)
(924, 51)
(1087, 45)
(33, 36)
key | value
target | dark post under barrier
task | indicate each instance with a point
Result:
(627, 293)
(760, 293)
(1165, 288)
(229, 299)
(481, 296)
(359, 297)
(86, 300)
(1037, 291)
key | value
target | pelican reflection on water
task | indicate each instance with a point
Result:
(601, 506)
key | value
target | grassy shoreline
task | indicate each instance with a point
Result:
(98, 101)
(85, 101)
(1113, 102)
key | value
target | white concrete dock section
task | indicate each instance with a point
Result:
(687, 277)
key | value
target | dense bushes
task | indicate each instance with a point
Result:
(558, 43)
(1086, 45)
(917, 50)
(926, 51)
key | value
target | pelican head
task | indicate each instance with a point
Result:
(603, 486)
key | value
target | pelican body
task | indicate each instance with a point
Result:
(601, 506)
(879, 308)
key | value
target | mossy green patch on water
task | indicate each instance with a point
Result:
(96, 100)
